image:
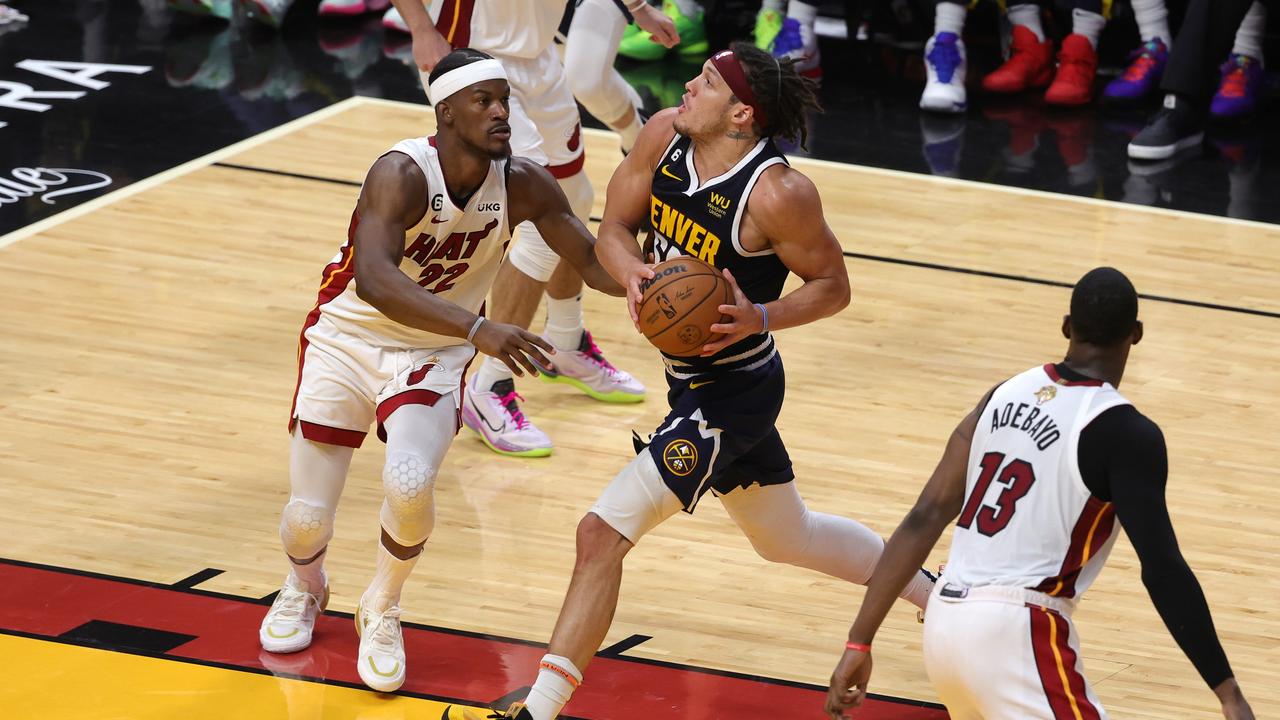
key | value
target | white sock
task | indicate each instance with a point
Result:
(1088, 24)
(1028, 16)
(1153, 20)
(627, 135)
(388, 580)
(1249, 35)
(804, 12)
(689, 8)
(312, 575)
(491, 371)
(552, 690)
(775, 5)
(949, 17)
(564, 322)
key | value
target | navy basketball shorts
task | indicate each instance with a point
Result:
(720, 433)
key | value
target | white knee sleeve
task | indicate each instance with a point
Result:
(305, 528)
(590, 49)
(637, 500)
(782, 529)
(530, 253)
(408, 508)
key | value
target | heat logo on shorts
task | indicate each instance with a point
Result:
(680, 457)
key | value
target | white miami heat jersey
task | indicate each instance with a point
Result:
(453, 252)
(1028, 521)
(511, 28)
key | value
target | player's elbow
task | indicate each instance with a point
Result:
(370, 288)
(839, 294)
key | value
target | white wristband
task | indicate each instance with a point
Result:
(474, 328)
(635, 7)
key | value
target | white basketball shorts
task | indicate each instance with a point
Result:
(345, 382)
(998, 653)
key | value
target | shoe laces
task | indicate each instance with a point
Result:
(593, 353)
(384, 630)
(510, 712)
(788, 38)
(1144, 59)
(1235, 80)
(291, 604)
(511, 403)
(945, 56)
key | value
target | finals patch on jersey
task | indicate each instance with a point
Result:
(1045, 394)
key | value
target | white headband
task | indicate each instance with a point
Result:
(459, 78)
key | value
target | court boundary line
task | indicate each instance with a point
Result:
(420, 626)
(942, 180)
(850, 254)
(164, 176)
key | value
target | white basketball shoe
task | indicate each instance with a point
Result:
(587, 369)
(292, 618)
(944, 59)
(381, 658)
(495, 415)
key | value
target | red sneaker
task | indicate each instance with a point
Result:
(1030, 64)
(1077, 68)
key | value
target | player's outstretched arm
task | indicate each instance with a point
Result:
(393, 200)
(1138, 473)
(536, 196)
(626, 208)
(904, 553)
(785, 207)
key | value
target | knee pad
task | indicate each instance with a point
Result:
(408, 509)
(305, 528)
(577, 188)
(637, 500)
(531, 255)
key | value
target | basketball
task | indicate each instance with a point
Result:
(680, 303)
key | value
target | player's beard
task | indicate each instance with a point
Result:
(488, 150)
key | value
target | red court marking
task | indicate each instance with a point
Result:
(453, 665)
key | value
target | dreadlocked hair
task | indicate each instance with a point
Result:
(786, 96)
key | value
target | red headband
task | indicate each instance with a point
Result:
(726, 63)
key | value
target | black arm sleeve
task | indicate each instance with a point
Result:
(1123, 459)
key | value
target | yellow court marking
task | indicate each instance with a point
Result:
(50, 681)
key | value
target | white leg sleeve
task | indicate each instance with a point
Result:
(782, 529)
(530, 253)
(317, 472)
(417, 438)
(591, 49)
(637, 500)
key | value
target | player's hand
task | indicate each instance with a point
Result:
(658, 25)
(744, 319)
(636, 276)
(428, 48)
(848, 683)
(512, 345)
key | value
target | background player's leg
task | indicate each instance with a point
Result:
(633, 504)
(317, 473)
(417, 438)
(590, 51)
(782, 529)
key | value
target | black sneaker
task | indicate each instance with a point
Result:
(1177, 126)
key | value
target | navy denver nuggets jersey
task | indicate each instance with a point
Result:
(720, 433)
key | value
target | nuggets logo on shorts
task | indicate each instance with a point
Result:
(1045, 394)
(680, 457)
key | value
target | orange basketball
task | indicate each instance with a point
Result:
(680, 304)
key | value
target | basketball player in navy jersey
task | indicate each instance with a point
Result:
(1038, 474)
(710, 182)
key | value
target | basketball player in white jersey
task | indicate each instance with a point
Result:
(545, 128)
(396, 324)
(1038, 474)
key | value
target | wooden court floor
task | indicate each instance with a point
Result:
(148, 363)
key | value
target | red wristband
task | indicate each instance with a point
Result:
(858, 646)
